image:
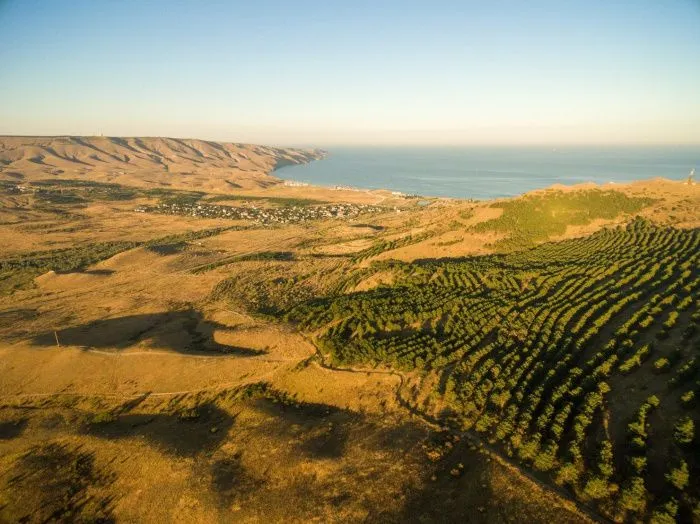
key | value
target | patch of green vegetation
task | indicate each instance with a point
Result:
(466, 214)
(389, 245)
(173, 196)
(60, 197)
(276, 282)
(189, 236)
(529, 349)
(61, 190)
(446, 243)
(534, 218)
(264, 390)
(74, 182)
(86, 189)
(262, 255)
(18, 271)
(103, 417)
(265, 297)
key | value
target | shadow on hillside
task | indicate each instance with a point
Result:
(11, 317)
(230, 481)
(456, 488)
(319, 430)
(57, 482)
(467, 485)
(96, 272)
(323, 431)
(167, 249)
(442, 476)
(12, 428)
(370, 226)
(201, 430)
(382, 466)
(180, 331)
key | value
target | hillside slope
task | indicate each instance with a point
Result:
(296, 353)
(579, 358)
(183, 163)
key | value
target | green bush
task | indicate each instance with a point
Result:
(597, 488)
(666, 514)
(688, 399)
(633, 495)
(103, 417)
(661, 365)
(678, 477)
(684, 431)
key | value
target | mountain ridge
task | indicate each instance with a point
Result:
(145, 160)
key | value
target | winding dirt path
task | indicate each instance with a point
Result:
(474, 439)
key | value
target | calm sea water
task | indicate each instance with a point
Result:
(483, 173)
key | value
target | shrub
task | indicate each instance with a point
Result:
(684, 431)
(661, 365)
(688, 399)
(568, 474)
(633, 495)
(103, 417)
(639, 464)
(597, 488)
(678, 477)
(666, 514)
(635, 360)
(547, 459)
(606, 460)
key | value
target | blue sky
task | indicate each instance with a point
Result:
(379, 72)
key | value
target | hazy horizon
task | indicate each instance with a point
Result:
(393, 145)
(374, 74)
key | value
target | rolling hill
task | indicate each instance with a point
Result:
(147, 161)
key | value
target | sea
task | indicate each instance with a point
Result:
(490, 172)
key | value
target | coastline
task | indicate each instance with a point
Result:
(484, 174)
(258, 170)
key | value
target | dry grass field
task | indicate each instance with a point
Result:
(151, 370)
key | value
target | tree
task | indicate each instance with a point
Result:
(633, 495)
(606, 459)
(679, 476)
(661, 365)
(568, 474)
(639, 463)
(597, 488)
(547, 459)
(684, 431)
(666, 514)
(688, 398)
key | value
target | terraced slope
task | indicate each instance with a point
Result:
(581, 359)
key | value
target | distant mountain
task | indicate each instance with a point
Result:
(147, 160)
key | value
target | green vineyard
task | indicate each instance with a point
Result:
(579, 359)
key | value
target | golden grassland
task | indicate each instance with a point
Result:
(154, 380)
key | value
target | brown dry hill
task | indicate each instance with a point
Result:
(148, 161)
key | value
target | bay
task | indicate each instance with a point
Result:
(490, 172)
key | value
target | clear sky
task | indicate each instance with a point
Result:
(360, 72)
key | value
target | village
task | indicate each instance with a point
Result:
(264, 215)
